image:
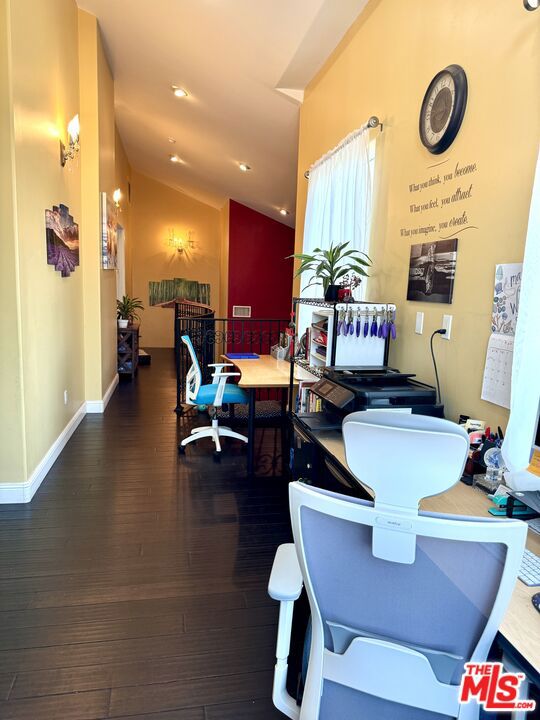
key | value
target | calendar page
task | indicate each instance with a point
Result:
(498, 370)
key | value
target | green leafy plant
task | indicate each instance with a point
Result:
(329, 266)
(127, 307)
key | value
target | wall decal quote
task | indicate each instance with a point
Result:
(443, 189)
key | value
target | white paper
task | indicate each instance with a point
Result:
(506, 298)
(498, 370)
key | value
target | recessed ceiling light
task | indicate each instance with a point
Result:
(171, 140)
(175, 159)
(179, 92)
(283, 211)
(243, 167)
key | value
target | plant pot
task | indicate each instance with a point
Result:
(332, 293)
(123, 323)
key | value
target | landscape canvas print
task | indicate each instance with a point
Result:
(162, 291)
(109, 233)
(432, 270)
(62, 234)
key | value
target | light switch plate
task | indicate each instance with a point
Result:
(419, 329)
(447, 325)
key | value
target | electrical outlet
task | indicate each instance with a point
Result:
(447, 325)
(419, 329)
(65, 397)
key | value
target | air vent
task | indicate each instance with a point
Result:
(241, 310)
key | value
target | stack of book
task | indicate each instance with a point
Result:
(307, 401)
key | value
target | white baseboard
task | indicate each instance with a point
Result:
(24, 492)
(98, 406)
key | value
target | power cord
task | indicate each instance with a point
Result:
(440, 331)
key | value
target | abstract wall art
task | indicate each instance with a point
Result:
(109, 233)
(62, 234)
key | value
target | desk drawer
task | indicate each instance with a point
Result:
(312, 465)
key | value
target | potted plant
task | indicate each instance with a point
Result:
(126, 310)
(329, 266)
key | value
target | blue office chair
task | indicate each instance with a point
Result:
(214, 395)
(400, 599)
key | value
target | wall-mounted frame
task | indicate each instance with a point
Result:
(62, 234)
(109, 233)
(432, 270)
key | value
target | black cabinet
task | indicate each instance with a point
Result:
(128, 350)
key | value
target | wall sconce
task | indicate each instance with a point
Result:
(73, 130)
(117, 196)
(179, 243)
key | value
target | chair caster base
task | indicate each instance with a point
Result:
(216, 456)
(181, 450)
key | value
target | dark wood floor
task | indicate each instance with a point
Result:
(134, 583)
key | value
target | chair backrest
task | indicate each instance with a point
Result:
(403, 458)
(194, 375)
(391, 635)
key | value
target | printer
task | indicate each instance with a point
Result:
(344, 390)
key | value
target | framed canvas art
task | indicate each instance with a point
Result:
(432, 270)
(62, 234)
(109, 233)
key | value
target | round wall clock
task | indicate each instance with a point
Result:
(443, 108)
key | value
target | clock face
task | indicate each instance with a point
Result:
(443, 108)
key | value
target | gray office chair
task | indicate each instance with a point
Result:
(400, 599)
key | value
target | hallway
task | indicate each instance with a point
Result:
(134, 584)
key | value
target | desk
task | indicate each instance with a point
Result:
(521, 624)
(265, 372)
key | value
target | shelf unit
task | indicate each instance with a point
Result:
(344, 350)
(128, 350)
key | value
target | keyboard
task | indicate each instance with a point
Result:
(529, 572)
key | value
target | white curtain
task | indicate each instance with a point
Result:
(339, 203)
(525, 396)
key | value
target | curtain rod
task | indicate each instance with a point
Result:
(373, 122)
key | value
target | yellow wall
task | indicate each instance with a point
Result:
(12, 445)
(107, 183)
(123, 181)
(45, 97)
(90, 220)
(52, 329)
(99, 174)
(383, 67)
(155, 209)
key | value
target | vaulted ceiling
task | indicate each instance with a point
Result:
(244, 65)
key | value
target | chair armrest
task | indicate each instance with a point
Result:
(221, 378)
(219, 364)
(286, 580)
(285, 585)
(218, 375)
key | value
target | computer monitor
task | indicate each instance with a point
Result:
(528, 479)
(527, 482)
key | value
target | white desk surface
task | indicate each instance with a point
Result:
(267, 372)
(521, 624)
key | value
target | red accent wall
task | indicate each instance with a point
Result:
(259, 275)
